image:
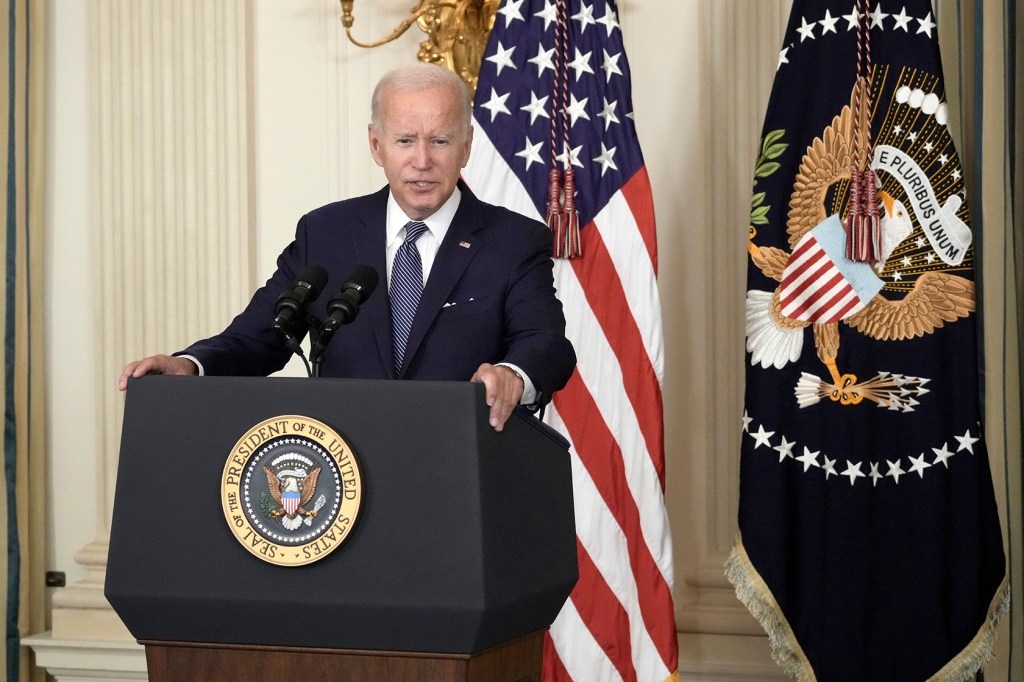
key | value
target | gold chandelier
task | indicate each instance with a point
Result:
(456, 31)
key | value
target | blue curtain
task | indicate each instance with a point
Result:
(22, 497)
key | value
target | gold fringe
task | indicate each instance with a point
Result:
(979, 653)
(755, 595)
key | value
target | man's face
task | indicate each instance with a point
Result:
(422, 146)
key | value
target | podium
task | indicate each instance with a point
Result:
(462, 554)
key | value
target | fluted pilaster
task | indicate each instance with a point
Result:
(172, 176)
(170, 167)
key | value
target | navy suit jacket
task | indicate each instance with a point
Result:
(490, 297)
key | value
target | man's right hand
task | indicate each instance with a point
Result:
(157, 364)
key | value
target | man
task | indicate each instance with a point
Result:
(487, 311)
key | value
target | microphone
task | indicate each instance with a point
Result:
(291, 305)
(344, 306)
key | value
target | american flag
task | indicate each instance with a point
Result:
(619, 621)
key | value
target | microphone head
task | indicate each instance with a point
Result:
(291, 304)
(362, 280)
(314, 277)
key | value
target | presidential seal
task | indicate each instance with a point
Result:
(291, 490)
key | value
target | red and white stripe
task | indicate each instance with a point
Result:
(813, 287)
(619, 621)
(291, 503)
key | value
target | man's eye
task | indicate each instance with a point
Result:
(440, 142)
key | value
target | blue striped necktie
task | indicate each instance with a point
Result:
(406, 289)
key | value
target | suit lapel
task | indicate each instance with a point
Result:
(368, 236)
(458, 249)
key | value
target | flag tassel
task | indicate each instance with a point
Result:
(562, 217)
(873, 224)
(570, 218)
(864, 238)
(554, 209)
(854, 219)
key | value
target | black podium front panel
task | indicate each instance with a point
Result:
(465, 538)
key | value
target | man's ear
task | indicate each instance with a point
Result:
(374, 140)
(469, 146)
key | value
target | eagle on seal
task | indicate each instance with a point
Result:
(293, 494)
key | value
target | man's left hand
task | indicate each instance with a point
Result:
(504, 388)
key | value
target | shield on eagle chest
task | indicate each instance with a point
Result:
(819, 284)
(290, 499)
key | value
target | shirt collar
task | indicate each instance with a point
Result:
(437, 223)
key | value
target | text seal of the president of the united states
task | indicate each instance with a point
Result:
(291, 490)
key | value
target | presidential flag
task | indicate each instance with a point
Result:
(554, 94)
(869, 544)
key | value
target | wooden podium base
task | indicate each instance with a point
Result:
(518, 660)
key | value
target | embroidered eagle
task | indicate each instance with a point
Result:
(776, 320)
(293, 494)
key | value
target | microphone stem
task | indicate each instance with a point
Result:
(294, 347)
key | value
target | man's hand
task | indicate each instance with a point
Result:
(504, 388)
(157, 364)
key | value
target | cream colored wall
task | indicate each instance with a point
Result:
(288, 108)
(70, 321)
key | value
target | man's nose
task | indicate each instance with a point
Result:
(421, 155)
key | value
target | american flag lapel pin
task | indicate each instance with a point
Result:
(464, 245)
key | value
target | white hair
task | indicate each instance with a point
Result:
(416, 77)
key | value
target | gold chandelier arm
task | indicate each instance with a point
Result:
(347, 20)
(444, 34)
(456, 33)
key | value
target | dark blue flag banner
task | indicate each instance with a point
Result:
(869, 545)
